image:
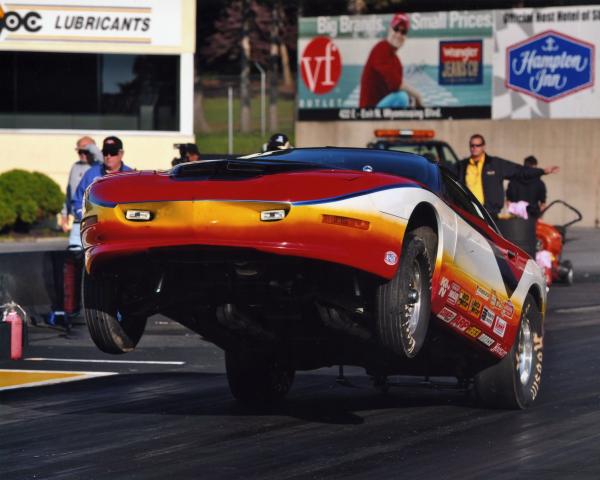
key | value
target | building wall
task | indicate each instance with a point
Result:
(573, 145)
(51, 151)
(54, 154)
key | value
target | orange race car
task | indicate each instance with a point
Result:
(304, 258)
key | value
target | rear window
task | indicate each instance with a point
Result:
(384, 161)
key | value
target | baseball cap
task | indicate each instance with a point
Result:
(400, 19)
(111, 145)
(278, 141)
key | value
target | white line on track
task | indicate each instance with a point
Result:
(586, 309)
(83, 360)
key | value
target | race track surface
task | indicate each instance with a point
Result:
(178, 420)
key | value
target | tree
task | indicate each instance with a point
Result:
(274, 67)
(245, 68)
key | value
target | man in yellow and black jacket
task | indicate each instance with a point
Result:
(484, 174)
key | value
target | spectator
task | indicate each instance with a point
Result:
(532, 191)
(484, 174)
(382, 82)
(278, 141)
(112, 149)
(188, 152)
(192, 153)
(88, 153)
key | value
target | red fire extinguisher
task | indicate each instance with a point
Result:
(15, 316)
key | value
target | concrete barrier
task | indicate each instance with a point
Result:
(33, 277)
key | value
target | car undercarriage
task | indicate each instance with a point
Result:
(311, 312)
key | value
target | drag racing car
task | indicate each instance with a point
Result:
(304, 258)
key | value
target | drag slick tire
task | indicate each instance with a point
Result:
(112, 331)
(404, 303)
(257, 380)
(514, 382)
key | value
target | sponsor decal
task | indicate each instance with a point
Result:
(453, 294)
(391, 258)
(487, 317)
(508, 310)
(446, 315)
(444, 287)
(486, 340)
(461, 62)
(473, 332)
(452, 297)
(475, 307)
(498, 350)
(464, 300)
(483, 293)
(500, 327)
(550, 65)
(321, 65)
(494, 301)
(460, 323)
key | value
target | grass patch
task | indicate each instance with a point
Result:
(215, 111)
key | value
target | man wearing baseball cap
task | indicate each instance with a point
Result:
(382, 82)
(112, 151)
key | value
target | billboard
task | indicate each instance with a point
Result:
(501, 64)
(413, 66)
(545, 63)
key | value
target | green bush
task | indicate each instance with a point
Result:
(47, 194)
(7, 215)
(27, 197)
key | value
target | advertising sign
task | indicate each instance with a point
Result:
(398, 66)
(144, 22)
(545, 63)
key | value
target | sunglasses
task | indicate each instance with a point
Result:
(110, 152)
(82, 152)
(399, 29)
(473, 145)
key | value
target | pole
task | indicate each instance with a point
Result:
(263, 115)
(230, 120)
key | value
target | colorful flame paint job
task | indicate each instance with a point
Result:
(227, 213)
(348, 207)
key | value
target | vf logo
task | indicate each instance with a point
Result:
(12, 21)
(321, 65)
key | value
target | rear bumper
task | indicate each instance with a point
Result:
(302, 233)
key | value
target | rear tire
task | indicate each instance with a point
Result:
(514, 382)
(112, 331)
(256, 380)
(404, 303)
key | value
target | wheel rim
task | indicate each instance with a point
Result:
(525, 352)
(413, 303)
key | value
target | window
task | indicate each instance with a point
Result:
(448, 155)
(89, 91)
(459, 196)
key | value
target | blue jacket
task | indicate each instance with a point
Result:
(95, 171)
